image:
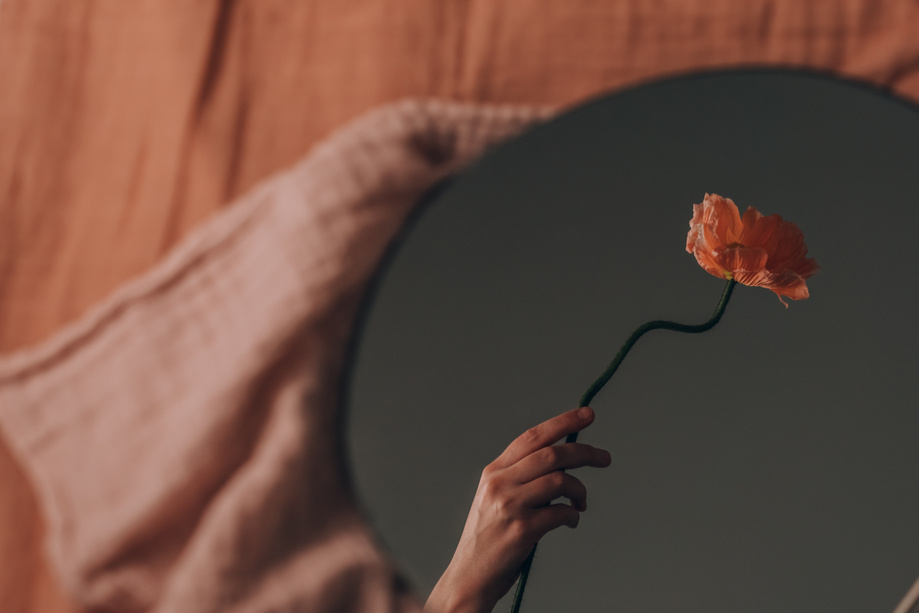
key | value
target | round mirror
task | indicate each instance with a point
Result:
(767, 465)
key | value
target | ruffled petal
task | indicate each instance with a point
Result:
(759, 231)
(708, 262)
(742, 259)
(786, 283)
(789, 249)
(711, 240)
(807, 268)
(723, 218)
(695, 227)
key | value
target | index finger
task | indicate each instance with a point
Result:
(545, 434)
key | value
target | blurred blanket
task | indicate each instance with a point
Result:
(183, 436)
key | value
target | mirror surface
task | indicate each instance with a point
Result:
(767, 465)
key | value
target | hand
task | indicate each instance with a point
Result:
(513, 508)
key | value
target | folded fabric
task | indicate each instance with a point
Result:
(183, 437)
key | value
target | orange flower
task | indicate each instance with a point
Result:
(754, 250)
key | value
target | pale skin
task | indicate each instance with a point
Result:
(517, 502)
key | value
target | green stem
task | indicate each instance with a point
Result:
(602, 380)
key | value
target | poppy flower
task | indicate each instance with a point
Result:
(754, 250)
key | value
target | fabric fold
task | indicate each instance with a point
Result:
(181, 437)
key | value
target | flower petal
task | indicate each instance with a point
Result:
(759, 231)
(695, 227)
(709, 263)
(807, 268)
(742, 259)
(722, 218)
(786, 283)
(789, 247)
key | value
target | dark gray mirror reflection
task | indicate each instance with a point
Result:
(768, 465)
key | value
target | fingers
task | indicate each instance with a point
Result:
(554, 516)
(542, 491)
(528, 531)
(546, 434)
(558, 457)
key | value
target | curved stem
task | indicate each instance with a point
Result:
(522, 581)
(603, 379)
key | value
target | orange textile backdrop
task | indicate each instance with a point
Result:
(123, 125)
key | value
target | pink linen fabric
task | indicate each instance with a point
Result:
(182, 436)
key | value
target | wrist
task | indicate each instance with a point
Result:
(450, 596)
